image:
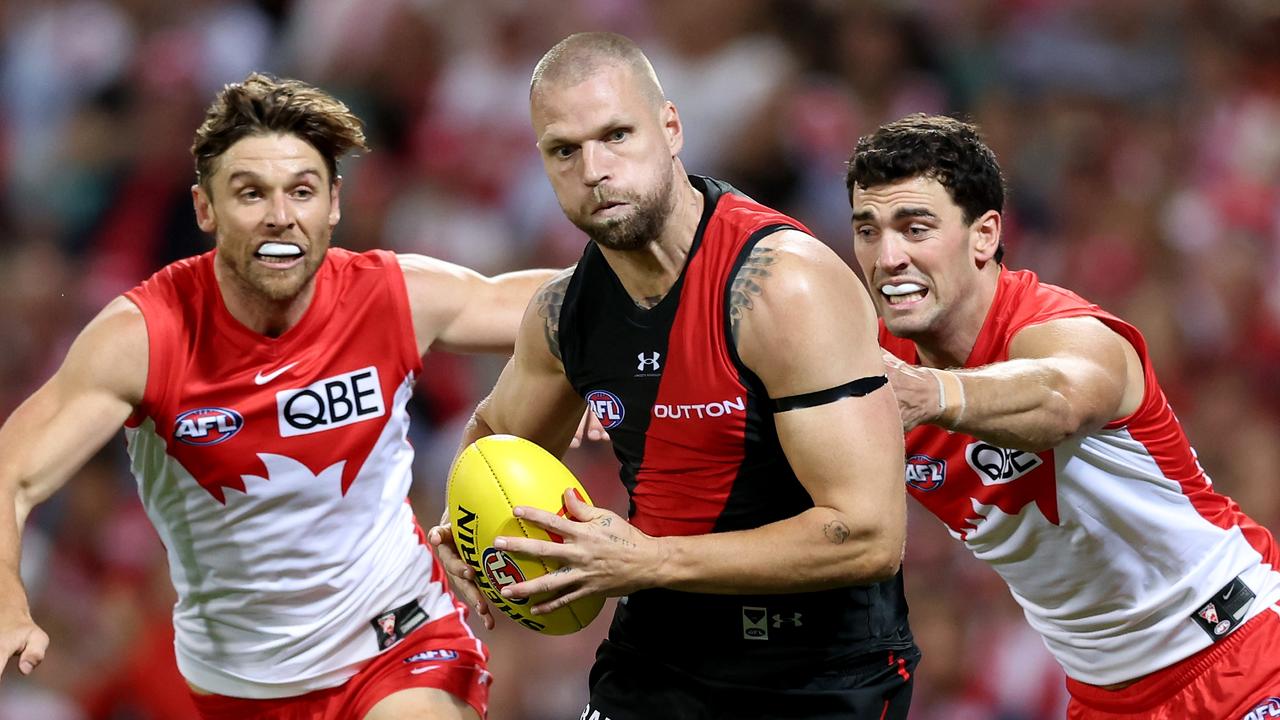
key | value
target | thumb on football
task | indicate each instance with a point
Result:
(576, 507)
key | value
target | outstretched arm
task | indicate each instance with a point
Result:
(458, 309)
(50, 436)
(1063, 378)
(803, 325)
(532, 399)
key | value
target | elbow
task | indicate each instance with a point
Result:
(881, 563)
(1062, 420)
(880, 556)
(21, 499)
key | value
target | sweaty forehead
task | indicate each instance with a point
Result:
(270, 155)
(885, 200)
(566, 109)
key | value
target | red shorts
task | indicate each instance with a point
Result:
(442, 654)
(1235, 679)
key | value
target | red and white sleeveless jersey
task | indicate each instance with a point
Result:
(276, 471)
(1112, 541)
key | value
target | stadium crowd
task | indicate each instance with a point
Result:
(1142, 140)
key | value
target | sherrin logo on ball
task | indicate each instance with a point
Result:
(489, 479)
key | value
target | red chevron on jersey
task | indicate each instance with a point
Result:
(241, 391)
(287, 415)
(978, 476)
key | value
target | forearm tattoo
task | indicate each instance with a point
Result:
(549, 300)
(746, 283)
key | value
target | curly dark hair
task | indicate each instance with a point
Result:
(933, 146)
(264, 104)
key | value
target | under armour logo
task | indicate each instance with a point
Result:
(648, 363)
(794, 621)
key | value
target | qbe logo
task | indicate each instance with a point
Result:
(607, 408)
(330, 403)
(502, 571)
(1269, 708)
(207, 426)
(999, 466)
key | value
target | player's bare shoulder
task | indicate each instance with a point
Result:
(786, 273)
(546, 306)
(437, 291)
(111, 352)
(429, 280)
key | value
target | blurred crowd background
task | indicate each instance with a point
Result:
(1141, 140)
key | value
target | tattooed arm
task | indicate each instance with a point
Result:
(802, 322)
(532, 399)
(455, 308)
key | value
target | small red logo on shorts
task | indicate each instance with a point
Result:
(388, 623)
(1209, 613)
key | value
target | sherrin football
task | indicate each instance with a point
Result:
(492, 476)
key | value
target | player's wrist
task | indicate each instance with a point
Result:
(664, 564)
(951, 403)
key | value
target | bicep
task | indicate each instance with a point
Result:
(532, 398)
(1096, 368)
(815, 330)
(456, 308)
(56, 430)
(848, 453)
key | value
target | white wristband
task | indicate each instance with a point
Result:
(942, 400)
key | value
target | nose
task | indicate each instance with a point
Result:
(278, 215)
(595, 163)
(893, 257)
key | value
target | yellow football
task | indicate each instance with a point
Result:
(491, 476)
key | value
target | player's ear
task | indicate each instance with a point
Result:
(672, 126)
(985, 236)
(203, 204)
(335, 211)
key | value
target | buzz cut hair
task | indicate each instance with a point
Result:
(262, 104)
(581, 55)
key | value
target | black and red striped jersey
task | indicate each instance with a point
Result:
(693, 430)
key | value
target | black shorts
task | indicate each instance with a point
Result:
(628, 686)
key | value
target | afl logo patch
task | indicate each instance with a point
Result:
(925, 473)
(502, 571)
(207, 426)
(607, 408)
(1269, 708)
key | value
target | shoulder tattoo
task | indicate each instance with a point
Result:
(747, 283)
(549, 301)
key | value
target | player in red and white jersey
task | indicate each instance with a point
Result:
(1038, 433)
(262, 387)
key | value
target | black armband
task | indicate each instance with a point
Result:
(856, 388)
